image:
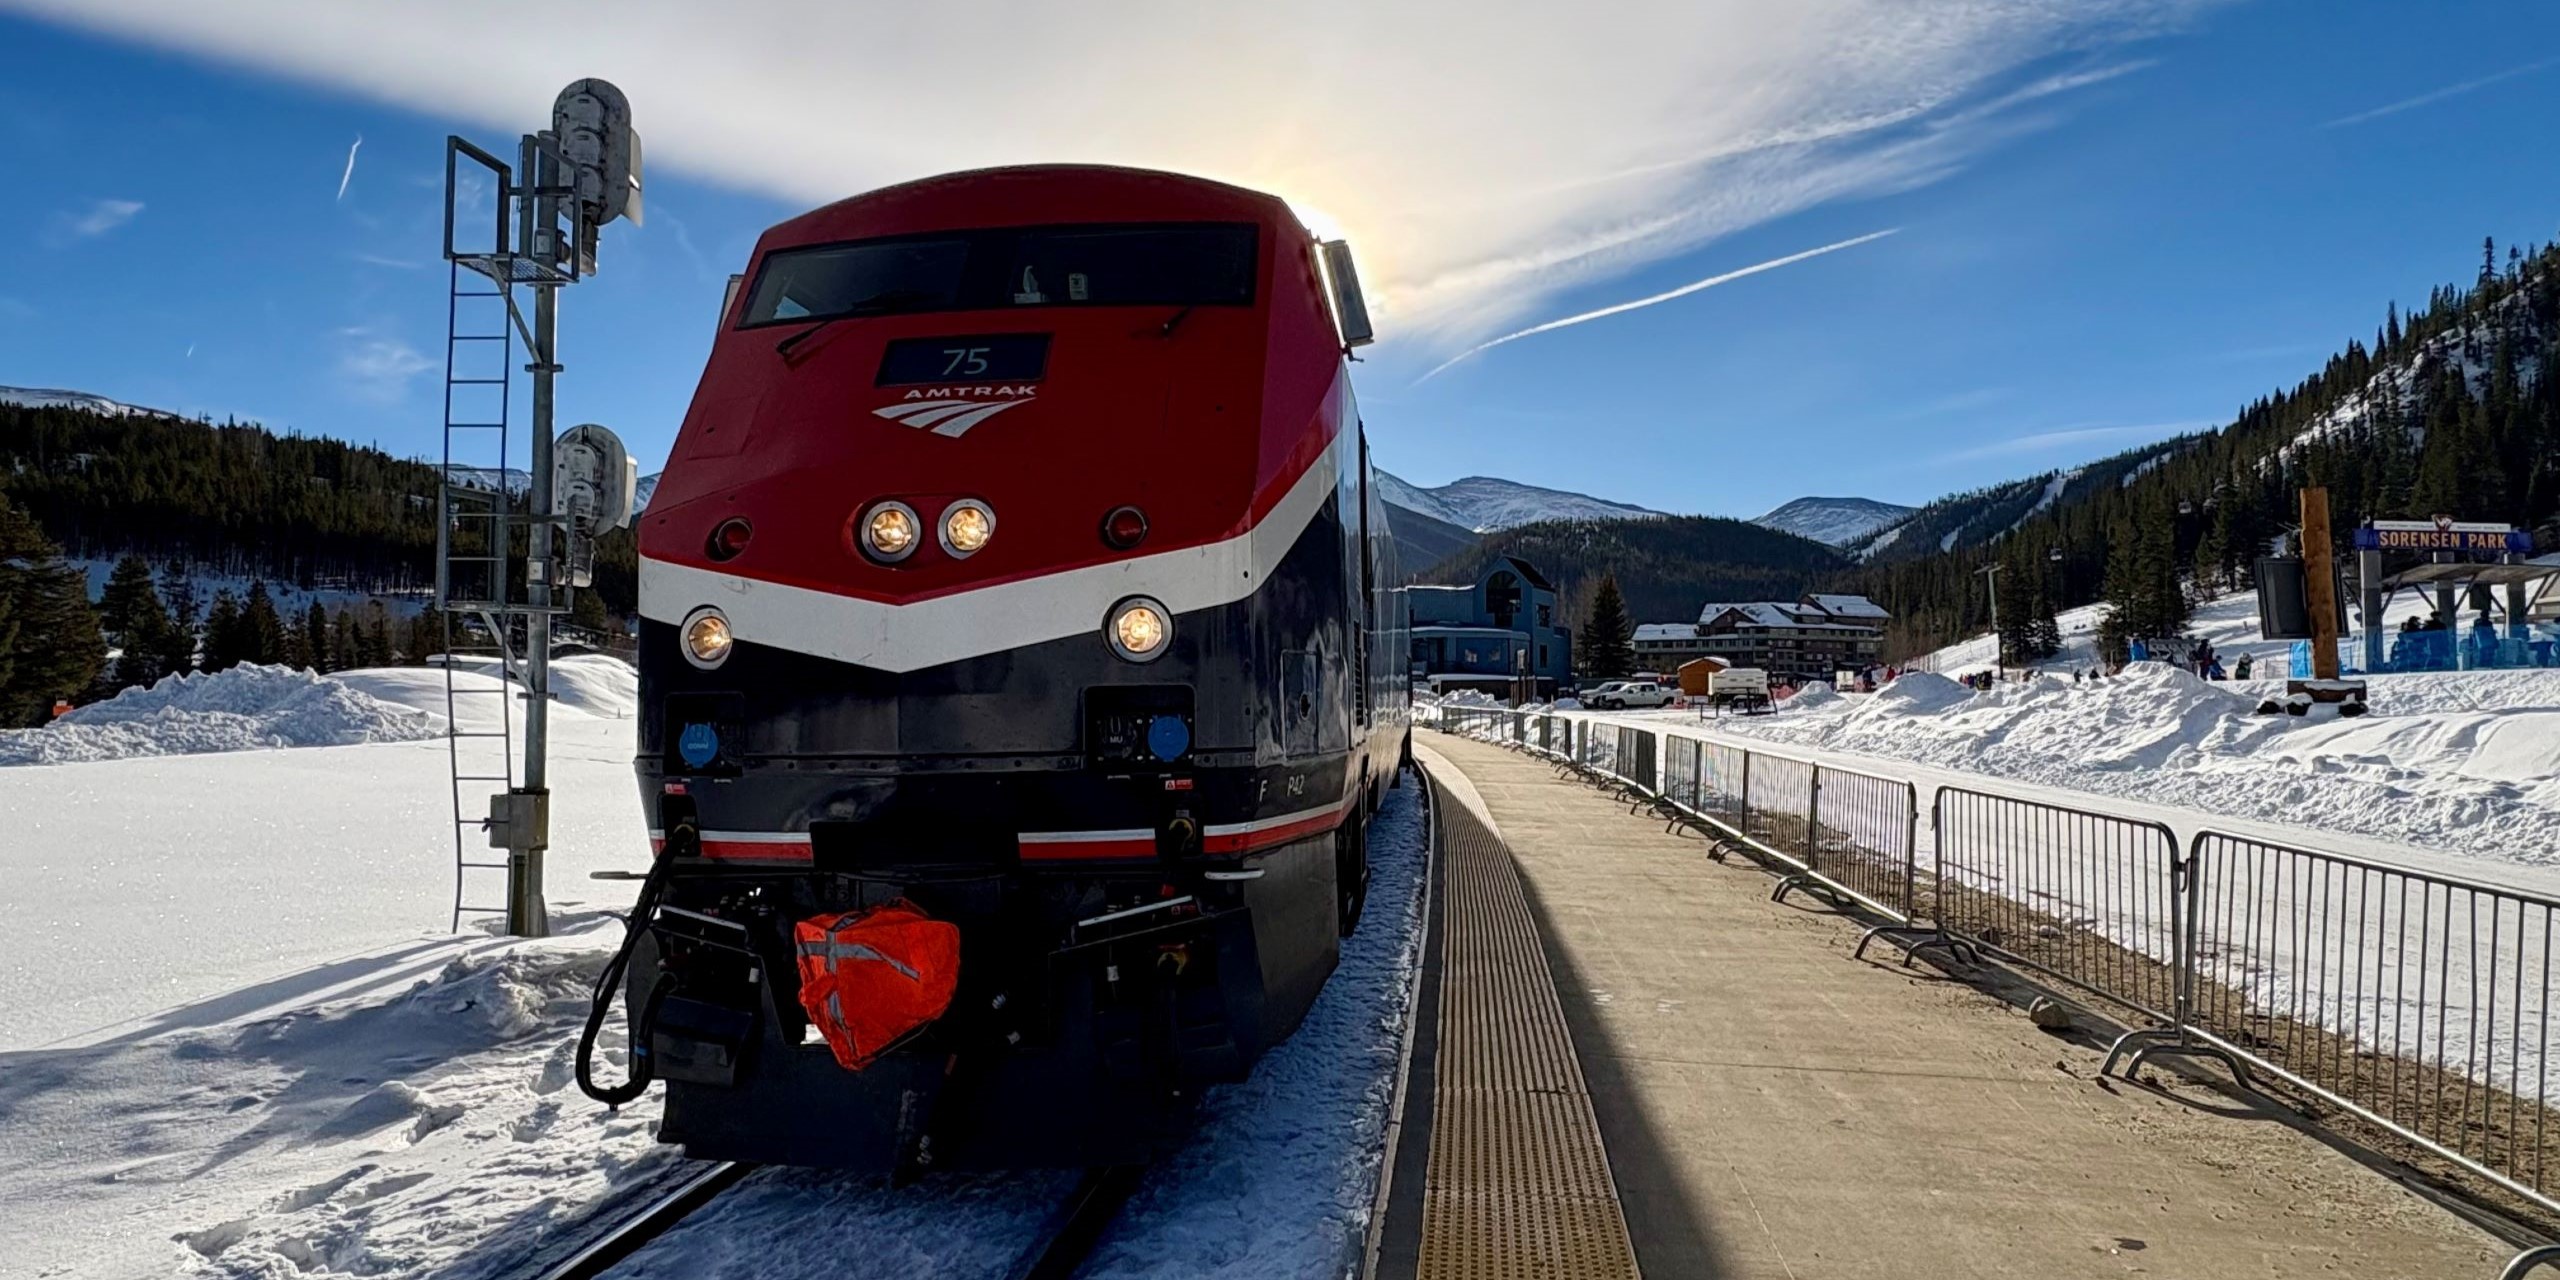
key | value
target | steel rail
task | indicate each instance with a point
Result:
(635, 1232)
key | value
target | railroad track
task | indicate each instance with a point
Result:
(1069, 1235)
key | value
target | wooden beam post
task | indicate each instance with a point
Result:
(2319, 583)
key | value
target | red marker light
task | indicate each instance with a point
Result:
(1125, 527)
(729, 538)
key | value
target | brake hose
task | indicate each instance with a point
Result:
(644, 909)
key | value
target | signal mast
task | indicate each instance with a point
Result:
(544, 214)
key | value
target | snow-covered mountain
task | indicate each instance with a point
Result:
(1835, 521)
(516, 479)
(1486, 504)
(53, 398)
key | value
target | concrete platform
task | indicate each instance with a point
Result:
(1773, 1108)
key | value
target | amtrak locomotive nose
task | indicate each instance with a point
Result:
(1021, 659)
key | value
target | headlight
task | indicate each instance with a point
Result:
(1139, 629)
(706, 639)
(967, 526)
(890, 531)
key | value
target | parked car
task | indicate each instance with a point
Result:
(1619, 695)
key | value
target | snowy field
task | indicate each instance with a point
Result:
(2461, 769)
(238, 1040)
(2454, 775)
(283, 871)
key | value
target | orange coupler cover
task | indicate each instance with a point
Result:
(868, 977)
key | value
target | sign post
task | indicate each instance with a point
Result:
(2319, 583)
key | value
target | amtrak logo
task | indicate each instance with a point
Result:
(947, 412)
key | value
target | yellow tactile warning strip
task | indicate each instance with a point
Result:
(1518, 1186)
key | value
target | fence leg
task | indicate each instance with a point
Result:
(2540, 1255)
(1912, 939)
(2138, 1047)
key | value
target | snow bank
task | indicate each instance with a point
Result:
(1916, 693)
(595, 685)
(422, 1120)
(431, 1132)
(2465, 764)
(242, 709)
(1814, 694)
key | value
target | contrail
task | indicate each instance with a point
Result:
(351, 167)
(1681, 292)
(2439, 95)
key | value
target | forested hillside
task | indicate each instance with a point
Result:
(1668, 567)
(178, 502)
(1982, 515)
(237, 500)
(2445, 411)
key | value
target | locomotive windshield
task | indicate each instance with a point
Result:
(1110, 265)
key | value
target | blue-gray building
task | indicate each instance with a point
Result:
(1497, 635)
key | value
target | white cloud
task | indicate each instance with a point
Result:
(378, 368)
(101, 217)
(1481, 155)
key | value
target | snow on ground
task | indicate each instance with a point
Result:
(245, 708)
(1277, 1182)
(2466, 765)
(238, 1041)
(2161, 746)
(269, 863)
(431, 1131)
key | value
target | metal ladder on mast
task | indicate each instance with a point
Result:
(473, 524)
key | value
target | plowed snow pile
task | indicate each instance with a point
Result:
(2465, 763)
(242, 709)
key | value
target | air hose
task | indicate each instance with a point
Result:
(644, 909)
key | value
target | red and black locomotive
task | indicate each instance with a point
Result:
(1018, 564)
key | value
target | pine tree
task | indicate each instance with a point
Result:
(423, 636)
(315, 632)
(586, 609)
(50, 645)
(261, 629)
(376, 649)
(222, 639)
(346, 645)
(136, 624)
(1606, 643)
(2028, 629)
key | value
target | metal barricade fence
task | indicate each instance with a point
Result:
(2087, 898)
(1777, 807)
(1863, 840)
(2420, 1002)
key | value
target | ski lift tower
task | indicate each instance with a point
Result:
(543, 214)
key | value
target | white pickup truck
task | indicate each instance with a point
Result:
(1619, 695)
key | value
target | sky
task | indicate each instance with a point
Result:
(1703, 256)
